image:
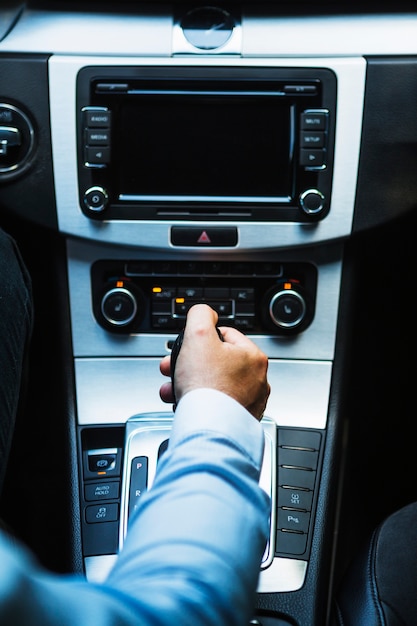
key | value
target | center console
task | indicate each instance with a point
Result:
(210, 177)
(202, 181)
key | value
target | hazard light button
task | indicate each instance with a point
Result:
(200, 237)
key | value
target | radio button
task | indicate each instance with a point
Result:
(97, 156)
(97, 118)
(111, 87)
(312, 202)
(316, 120)
(95, 199)
(310, 139)
(300, 89)
(98, 137)
(312, 158)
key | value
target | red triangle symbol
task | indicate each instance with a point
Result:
(204, 238)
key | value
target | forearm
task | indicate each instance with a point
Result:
(200, 534)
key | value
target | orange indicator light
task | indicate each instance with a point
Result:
(180, 300)
(157, 289)
(119, 283)
(287, 285)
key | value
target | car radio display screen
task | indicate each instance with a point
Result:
(213, 147)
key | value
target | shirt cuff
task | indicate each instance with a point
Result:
(214, 411)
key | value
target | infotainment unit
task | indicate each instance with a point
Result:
(219, 143)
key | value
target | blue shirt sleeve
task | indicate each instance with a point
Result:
(194, 547)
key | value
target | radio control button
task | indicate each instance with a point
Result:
(312, 202)
(96, 199)
(300, 89)
(97, 118)
(312, 157)
(98, 137)
(316, 120)
(99, 155)
(311, 139)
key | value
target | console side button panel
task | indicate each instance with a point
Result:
(299, 464)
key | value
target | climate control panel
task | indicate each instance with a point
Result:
(154, 296)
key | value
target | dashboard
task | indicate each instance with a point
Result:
(173, 154)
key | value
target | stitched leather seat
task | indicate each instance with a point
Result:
(380, 587)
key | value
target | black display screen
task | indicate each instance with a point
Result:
(198, 147)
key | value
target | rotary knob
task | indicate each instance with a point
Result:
(96, 199)
(119, 306)
(287, 309)
(312, 202)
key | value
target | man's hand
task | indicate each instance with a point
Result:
(235, 366)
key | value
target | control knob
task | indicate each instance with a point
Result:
(119, 305)
(287, 307)
(96, 199)
(312, 202)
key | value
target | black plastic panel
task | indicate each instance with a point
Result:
(387, 182)
(30, 195)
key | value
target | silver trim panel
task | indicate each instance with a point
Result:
(91, 340)
(110, 391)
(260, 34)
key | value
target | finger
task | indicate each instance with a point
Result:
(234, 336)
(165, 393)
(165, 365)
(201, 320)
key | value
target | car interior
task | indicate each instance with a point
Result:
(260, 157)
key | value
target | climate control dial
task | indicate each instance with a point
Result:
(286, 307)
(121, 304)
